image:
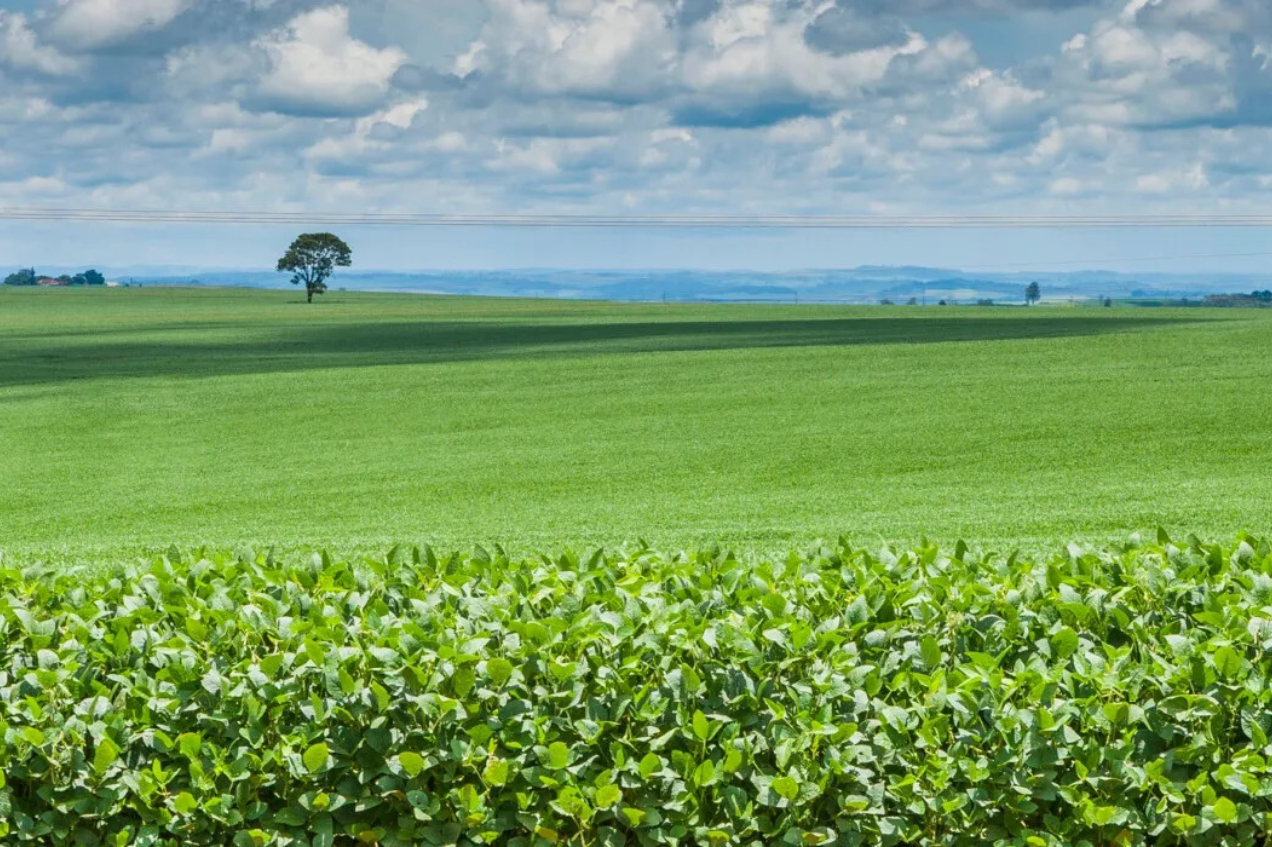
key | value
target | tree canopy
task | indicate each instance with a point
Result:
(1033, 293)
(26, 276)
(312, 258)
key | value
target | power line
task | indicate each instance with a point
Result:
(32, 214)
(1090, 262)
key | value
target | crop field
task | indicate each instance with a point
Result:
(713, 588)
(842, 697)
(135, 419)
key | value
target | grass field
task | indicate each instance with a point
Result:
(136, 419)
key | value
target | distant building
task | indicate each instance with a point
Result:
(48, 280)
(110, 283)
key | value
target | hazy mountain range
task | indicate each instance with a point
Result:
(868, 284)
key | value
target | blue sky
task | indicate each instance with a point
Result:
(638, 107)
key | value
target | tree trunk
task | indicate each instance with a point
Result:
(309, 295)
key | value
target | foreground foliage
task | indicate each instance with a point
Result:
(839, 697)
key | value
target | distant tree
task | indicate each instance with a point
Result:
(1108, 302)
(92, 277)
(885, 302)
(1032, 294)
(313, 258)
(942, 303)
(26, 276)
(66, 279)
(913, 301)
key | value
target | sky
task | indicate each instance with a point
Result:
(638, 107)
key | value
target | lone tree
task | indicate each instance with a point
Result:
(313, 258)
(1032, 294)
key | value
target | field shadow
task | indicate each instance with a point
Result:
(273, 349)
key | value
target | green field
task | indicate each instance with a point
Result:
(139, 418)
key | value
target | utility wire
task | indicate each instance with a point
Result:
(1087, 263)
(637, 221)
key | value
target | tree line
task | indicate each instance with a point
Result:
(28, 276)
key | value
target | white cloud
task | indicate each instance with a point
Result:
(999, 98)
(400, 116)
(100, 23)
(1067, 185)
(29, 110)
(751, 49)
(317, 68)
(614, 48)
(21, 49)
(597, 105)
(1158, 62)
(363, 137)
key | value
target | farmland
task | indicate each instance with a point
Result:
(231, 610)
(137, 419)
(843, 697)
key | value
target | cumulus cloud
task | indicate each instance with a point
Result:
(650, 105)
(21, 49)
(1164, 63)
(844, 29)
(616, 49)
(760, 48)
(91, 24)
(733, 63)
(316, 68)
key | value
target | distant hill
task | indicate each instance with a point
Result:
(868, 284)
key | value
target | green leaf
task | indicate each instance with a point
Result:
(463, 680)
(930, 652)
(858, 612)
(608, 795)
(195, 629)
(316, 757)
(496, 772)
(701, 726)
(650, 765)
(558, 755)
(1225, 810)
(499, 670)
(1064, 643)
(412, 763)
(185, 803)
(1227, 662)
(107, 753)
(189, 743)
(635, 817)
(786, 787)
(1116, 713)
(382, 697)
